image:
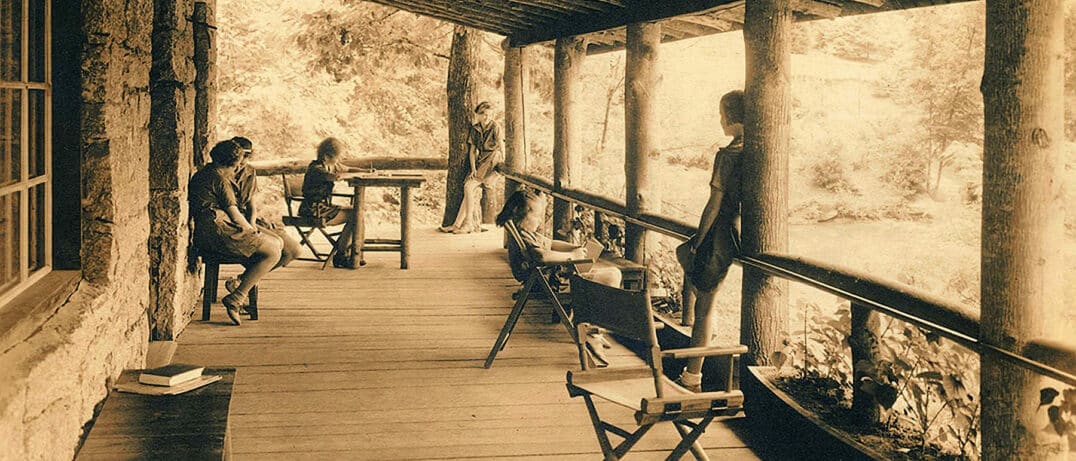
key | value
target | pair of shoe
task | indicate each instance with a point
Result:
(233, 302)
(596, 344)
(231, 285)
(690, 381)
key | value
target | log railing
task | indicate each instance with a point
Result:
(953, 321)
(298, 166)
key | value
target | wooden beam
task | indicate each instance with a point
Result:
(1023, 283)
(817, 8)
(734, 14)
(298, 165)
(767, 42)
(641, 81)
(641, 12)
(459, 17)
(874, 3)
(568, 58)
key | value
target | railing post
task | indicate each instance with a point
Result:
(568, 56)
(764, 316)
(640, 138)
(1023, 211)
(864, 340)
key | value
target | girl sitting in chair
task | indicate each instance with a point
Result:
(318, 183)
(526, 208)
(220, 228)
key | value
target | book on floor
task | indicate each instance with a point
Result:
(170, 375)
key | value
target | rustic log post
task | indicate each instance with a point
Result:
(567, 65)
(461, 88)
(515, 149)
(764, 317)
(1022, 231)
(640, 139)
(864, 340)
(205, 80)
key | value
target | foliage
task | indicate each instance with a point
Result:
(827, 173)
(1061, 413)
(925, 384)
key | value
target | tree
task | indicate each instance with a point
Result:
(461, 92)
(943, 76)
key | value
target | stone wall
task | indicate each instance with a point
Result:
(173, 278)
(53, 380)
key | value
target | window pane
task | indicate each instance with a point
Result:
(37, 133)
(10, 135)
(10, 36)
(36, 44)
(37, 227)
(9, 241)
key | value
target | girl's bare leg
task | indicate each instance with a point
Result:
(264, 258)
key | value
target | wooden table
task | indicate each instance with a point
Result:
(359, 243)
(192, 426)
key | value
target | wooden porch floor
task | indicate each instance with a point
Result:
(380, 363)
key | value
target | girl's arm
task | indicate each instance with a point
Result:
(238, 218)
(709, 214)
(555, 256)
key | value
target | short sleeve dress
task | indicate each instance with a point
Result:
(720, 244)
(210, 194)
(318, 191)
(245, 183)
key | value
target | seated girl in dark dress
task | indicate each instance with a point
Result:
(318, 183)
(220, 228)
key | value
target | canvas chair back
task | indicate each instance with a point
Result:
(293, 190)
(623, 312)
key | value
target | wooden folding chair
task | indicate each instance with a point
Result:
(643, 389)
(537, 276)
(307, 226)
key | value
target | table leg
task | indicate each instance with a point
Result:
(358, 236)
(405, 226)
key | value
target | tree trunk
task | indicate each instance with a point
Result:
(641, 79)
(764, 317)
(1022, 234)
(567, 65)
(461, 86)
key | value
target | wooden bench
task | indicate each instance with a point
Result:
(190, 426)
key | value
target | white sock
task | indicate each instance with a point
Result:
(688, 378)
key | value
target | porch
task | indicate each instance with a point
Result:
(380, 363)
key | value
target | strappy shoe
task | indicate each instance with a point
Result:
(233, 302)
(231, 285)
(690, 381)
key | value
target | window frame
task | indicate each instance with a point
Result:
(25, 186)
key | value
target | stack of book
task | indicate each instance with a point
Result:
(176, 378)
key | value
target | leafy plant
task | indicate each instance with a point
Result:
(1061, 412)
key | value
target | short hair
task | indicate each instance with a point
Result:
(225, 153)
(732, 106)
(330, 147)
(244, 143)
(482, 107)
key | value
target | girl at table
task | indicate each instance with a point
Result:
(318, 183)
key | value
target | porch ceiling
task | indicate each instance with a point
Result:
(531, 21)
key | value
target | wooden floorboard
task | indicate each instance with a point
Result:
(381, 363)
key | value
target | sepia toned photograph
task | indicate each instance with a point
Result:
(538, 230)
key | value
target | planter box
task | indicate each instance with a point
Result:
(771, 409)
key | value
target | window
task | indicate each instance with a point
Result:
(25, 145)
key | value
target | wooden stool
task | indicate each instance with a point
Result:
(212, 273)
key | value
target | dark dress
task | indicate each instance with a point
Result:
(720, 244)
(318, 191)
(486, 141)
(210, 194)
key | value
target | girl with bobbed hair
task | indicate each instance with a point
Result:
(321, 176)
(220, 228)
(706, 257)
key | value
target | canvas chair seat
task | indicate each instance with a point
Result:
(645, 390)
(307, 226)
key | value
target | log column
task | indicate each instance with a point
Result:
(515, 148)
(1022, 229)
(764, 317)
(205, 81)
(567, 64)
(640, 139)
